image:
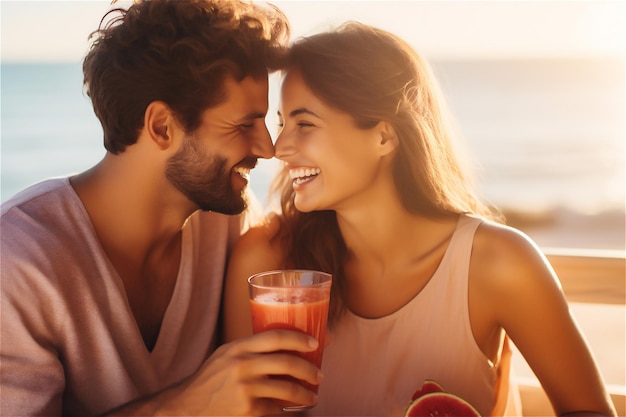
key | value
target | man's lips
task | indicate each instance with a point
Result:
(244, 172)
(244, 167)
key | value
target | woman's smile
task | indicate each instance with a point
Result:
(303, 175)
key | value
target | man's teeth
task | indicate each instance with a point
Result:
(243, 171)
(300, 175)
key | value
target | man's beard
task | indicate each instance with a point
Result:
(206, 181)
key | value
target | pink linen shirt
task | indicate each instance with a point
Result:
(69, 343)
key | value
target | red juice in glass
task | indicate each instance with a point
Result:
(294, 300)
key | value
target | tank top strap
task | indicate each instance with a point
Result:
(456, 260)
(450, 283)
(463, 238)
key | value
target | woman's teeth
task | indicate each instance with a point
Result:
(300, 175)
(243, 171)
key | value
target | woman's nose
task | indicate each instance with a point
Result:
(284, 146)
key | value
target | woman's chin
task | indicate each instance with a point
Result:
(304, 206)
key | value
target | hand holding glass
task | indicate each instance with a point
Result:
(294, 300)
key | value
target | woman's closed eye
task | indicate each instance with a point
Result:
(301, 124)
(304, 124)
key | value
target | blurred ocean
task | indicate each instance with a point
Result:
(546, 136)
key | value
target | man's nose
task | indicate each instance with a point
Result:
(262, 145)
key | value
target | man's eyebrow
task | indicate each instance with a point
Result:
(301, 110)
(253, 115)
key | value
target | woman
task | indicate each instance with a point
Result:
(427, 283)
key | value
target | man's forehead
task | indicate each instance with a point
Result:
(244, 100)
(249, 87)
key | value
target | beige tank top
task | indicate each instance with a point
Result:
(372, 367)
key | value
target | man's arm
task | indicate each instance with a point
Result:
(234, 380)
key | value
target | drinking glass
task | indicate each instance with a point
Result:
(294, 300)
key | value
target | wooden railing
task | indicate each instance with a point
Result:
(587, 276)
(595, 277)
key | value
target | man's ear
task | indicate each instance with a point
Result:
(388, 141)
(159, 124)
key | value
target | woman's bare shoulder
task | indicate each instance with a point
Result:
(496, 238)
(260, 242)
(505, 258)
(512, 280)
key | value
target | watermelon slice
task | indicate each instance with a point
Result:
(440, 404)
(432, 400)
(428, 387)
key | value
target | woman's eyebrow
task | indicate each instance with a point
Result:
(301, 110)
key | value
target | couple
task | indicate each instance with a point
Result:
(112, 279)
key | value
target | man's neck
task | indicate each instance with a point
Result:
(140, 229)
(131, 202)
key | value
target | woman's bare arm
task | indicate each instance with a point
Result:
(519, 289)
(254, 252)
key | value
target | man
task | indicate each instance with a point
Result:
(112, 279)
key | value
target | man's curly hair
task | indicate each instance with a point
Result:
(179, 52)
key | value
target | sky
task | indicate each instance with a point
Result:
(57, 30)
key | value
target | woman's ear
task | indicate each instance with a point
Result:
(388, 138)
(158, 123)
